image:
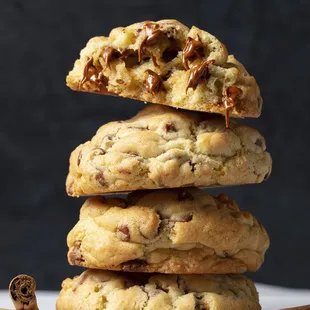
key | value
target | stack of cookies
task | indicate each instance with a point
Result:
(169, 244)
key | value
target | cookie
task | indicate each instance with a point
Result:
(95, 289)
(167, 231)
(167, 63)
(162, 147)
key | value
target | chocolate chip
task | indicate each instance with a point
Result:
(133, 265)
(100, 178)
(184, 195)
(170, 127)
(123, 232)
(267, 175)
(119, 81)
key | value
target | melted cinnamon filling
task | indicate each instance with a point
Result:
(91, 73)
(108, 54)
(153, 81)
(87, 67)
(152, 34)
(229, 100)
(192, 48)
(198, 73)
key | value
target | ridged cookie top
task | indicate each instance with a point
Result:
(164, 62)
(100, 290)
(150, 230)
(162, 147)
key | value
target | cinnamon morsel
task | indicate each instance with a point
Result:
(198, 73)
(22, 292)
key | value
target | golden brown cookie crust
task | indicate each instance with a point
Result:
(167, 231)
(100, 290)
(180, 67)
(162, 147)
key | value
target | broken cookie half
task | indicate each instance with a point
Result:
(166, 63)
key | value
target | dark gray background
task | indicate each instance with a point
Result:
(42, 121)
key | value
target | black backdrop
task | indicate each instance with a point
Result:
(42, 121)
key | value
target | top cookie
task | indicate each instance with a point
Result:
(164, 62)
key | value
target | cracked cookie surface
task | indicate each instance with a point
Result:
(162, 147)
(103, 290)
(167, 231)
(166, 63)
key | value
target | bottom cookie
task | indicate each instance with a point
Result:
(98, 290)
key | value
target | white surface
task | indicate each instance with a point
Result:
(271, 298)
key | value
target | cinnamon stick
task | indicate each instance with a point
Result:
(22, 292)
